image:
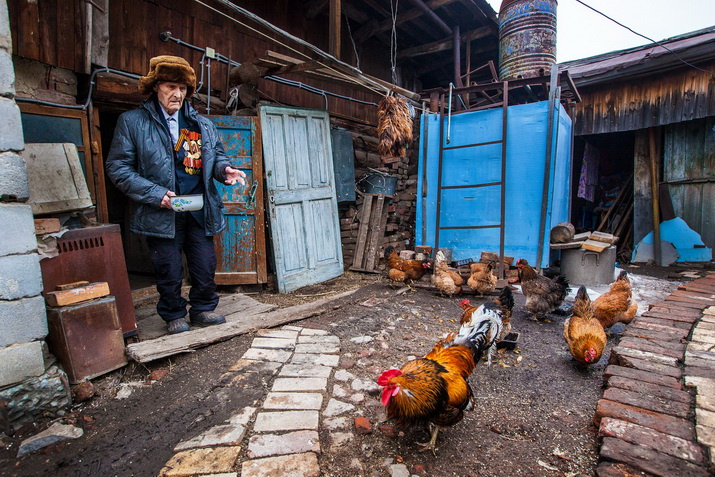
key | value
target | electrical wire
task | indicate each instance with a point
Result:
(393, 41)
(643, 36)
(352, 41)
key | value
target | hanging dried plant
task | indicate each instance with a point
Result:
(394, 126)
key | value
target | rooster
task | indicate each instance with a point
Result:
(583, 333)
(447, 281)
(543, 295)
(400, 270)
(616, 305)
(435, 389)
(505, 303)
(482, 280)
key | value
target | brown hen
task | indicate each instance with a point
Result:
(583, 333)
(616, 305)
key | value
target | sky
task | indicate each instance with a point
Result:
(581, 32)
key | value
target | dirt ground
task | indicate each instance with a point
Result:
(533, 413)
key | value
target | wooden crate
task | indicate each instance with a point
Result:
(373, 218)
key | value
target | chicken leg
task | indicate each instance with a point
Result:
(433, 440)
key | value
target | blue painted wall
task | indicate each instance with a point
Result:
(526, 156)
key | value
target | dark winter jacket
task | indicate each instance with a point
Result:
(141, 165)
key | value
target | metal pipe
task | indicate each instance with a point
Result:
(457, 58)
(208, 86)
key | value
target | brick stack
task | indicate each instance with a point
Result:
(646, 415)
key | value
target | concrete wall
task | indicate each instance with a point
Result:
(23, 321)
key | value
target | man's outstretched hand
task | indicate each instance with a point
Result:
(234, 175)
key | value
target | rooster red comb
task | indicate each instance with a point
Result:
(387, 375)
(465, 302)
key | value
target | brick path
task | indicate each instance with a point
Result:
(284, 430)
(657, 414)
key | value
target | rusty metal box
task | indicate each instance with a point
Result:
(94, 254)
(86, 338)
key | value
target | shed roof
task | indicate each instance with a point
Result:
(693, 47)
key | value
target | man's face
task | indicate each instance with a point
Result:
(171, 95)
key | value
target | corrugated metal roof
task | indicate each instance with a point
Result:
(693, 47)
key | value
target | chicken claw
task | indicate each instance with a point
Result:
(431, 444)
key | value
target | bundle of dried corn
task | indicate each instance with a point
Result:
(394, 126)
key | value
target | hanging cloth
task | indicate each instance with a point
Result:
(589, 173)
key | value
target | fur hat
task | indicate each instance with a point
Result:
(168, 68)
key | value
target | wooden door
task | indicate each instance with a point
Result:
(303, 210)
(241, 248)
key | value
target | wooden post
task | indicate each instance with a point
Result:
(653, 154)
(334, 30)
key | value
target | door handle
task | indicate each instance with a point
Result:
(251, 201)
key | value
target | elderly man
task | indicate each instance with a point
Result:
(159, 151)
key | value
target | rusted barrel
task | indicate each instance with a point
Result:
(527, 38)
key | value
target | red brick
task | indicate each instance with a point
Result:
(362, 425)
(687, 302)
(644, 365)
(671, 308)
(645, 376)
(649, 460)
(620, 352)
(699, 296)
(670, 324)
(652, 334)
(700, 372)
(648, 324)
(704, 289)
(663, 392)
(664, 423)
(643, 436)
(610, 469)
(655, 404)
(670, 316)
(666, 348)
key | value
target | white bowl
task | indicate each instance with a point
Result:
(187, 203)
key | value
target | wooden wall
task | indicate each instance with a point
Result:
(689, 170)
(655, 100)
(53, 32)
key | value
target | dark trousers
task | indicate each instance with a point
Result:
(201, 259)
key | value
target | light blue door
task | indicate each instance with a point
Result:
(302, 207)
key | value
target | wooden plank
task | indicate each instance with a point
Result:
(595, 245)
(603, 237)
(69, 286)
(375, 231)
(47, 226)
(78, 294)
(170, 345)
(362, 233)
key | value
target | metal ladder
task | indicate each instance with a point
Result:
(501, 183)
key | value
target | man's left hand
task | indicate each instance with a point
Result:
(234, 175)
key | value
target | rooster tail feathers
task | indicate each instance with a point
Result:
(389, 250)
(561, 280)
(506, 299)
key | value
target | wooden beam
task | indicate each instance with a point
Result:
(372, 28)
(442, 45)
(335, 15)
(293, 68)
(314, 8)
(433, 16)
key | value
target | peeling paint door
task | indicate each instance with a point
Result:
(241, 247)
(303, 210)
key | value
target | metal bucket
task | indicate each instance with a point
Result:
(376, 183)
(527, 38)
(584, 267)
